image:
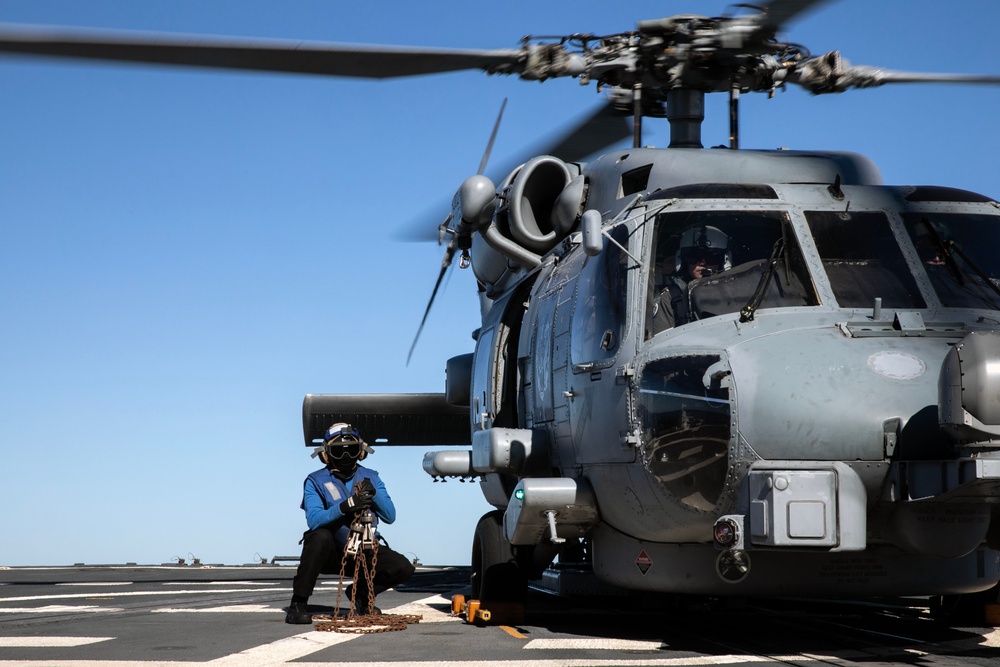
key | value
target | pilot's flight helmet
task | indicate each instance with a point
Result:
(704, 241)
(342, 441)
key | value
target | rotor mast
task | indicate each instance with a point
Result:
(686, 112)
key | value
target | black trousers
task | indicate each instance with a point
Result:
(322, 555)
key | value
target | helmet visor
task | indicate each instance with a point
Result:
(714, 256)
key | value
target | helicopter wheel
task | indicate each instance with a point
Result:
(495, 573)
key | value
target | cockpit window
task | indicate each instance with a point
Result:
(959, 254)
(599, 321)
(863, 260)
(709, 263)
(685, 417)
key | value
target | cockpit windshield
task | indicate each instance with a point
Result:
(863, 260)
(709, 263)
(959, 254)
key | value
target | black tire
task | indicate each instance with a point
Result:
(495, 573)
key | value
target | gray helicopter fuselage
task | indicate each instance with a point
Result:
(808, 419)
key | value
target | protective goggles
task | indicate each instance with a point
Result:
(338, 450)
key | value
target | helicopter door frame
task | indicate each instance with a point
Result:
(480, 404)
(607, 295)
(507, 400)
(497, 385)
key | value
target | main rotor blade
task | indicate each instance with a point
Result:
(493, 137)
(449, 253)
(829, 73)
(603, 127)
(266, 55)
(891, 76)
(779, 13)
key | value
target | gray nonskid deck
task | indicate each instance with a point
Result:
(232, 616)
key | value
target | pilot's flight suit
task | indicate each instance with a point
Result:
(670, 307)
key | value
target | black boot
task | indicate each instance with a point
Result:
(364, 610)
(298, 614)
(346, 595)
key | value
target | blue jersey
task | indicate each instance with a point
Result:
(323, 493)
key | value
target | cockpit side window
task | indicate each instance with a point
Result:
(863, 260)
(599, 320)
(958, 252)
(709, 263)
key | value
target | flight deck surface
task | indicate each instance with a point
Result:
(232, 617)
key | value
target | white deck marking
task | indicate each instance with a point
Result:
(114, 594)
(237, 608)
(435, 599)
(594, 643)
(219, 583)
(56, 609)
(104, 663)
(429, 614)
(694, 661)
(283, 650)
(276, 653)
(97, 583)
(49, 642)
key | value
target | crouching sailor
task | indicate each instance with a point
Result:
(331, 498)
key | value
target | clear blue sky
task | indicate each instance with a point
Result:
(186, 253)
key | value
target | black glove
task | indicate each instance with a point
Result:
(355, 504)
(365, 489)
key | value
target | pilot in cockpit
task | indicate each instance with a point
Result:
(703, 250)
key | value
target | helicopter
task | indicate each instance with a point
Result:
(806, 425)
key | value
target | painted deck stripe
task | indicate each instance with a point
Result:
(233, 608)
(695, 661)
(70, 596)
(97, 583)
(283, 650)
(57, 609)
(49, 642)
(276, 656)
(590, 643)
(512, 632)
(435, 599)
(427, 613)
(219, 583)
